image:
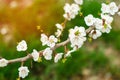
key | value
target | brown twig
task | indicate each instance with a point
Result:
(29, 56)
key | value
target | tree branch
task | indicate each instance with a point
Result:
(29, 56)
(20, 59)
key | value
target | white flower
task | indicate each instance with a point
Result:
(77, 36)
(89, 20)
(58, 57)
(3, 62)
(77, 31)
(59, 26)
(59, 30)
(113, 8)
(106, 28)
(108, 19)
(47, 53)
(71, 11)
(48, 41)
(58, 33)
(67, 8)
(52, 40)
(77, 41)
(22, 46)
(105, 8)
(107, 23)
(79, 2)
(75, 8)
(71, 8)
(23, 71)
(98, 23)
(110, 8)
(35, 55)
(95, 34)
(44, 39)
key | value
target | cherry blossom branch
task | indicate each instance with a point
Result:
(67, 41)
(22, 59)
(76, 37)
(29, 56)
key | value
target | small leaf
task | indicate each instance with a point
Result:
(59, 40)
(90, 39)
(18, 78)
(81, 14)
(64, 60)
(39, 59)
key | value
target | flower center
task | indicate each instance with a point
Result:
(77, 33)
(105, 26)
(51, 40)
(23, 71)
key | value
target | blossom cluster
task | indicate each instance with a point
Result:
(110, 8)
(77, 35)
(102, 24)
(72, 10)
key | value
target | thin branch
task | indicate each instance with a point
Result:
(29, 56)
(61, 44)
(20, 59)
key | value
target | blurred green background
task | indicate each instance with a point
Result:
(20, 19)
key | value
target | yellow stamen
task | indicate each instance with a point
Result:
(38, 27)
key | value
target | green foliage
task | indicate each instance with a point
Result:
(48, 70)
(81, 59)
(113, 38)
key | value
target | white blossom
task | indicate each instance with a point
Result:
(49, 41)
(113, 8)
(67, 8)
(23, 71)
(105, 8)
(59, 26)
(106, 28)
(58, 57)
(75, 8)
(44, 39)
(107, 23)
(95, 34)
(70, 11)
(77, 36)
(110, 8)
(52, 40)
(98, 23)
(22, 46)
(59, 30)
(47, 53)
(89, 20)
(35, 55)
(108, 19)
(3, 62)
(58, 33)
(79, 2)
